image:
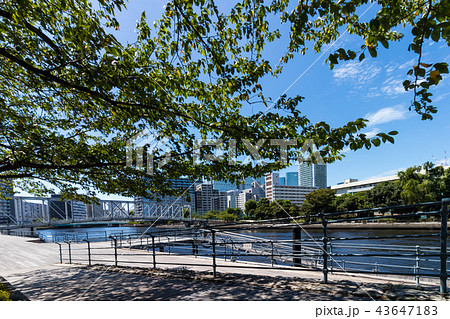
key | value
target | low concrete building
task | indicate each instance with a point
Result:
(350, 186)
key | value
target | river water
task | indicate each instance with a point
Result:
(387, 247)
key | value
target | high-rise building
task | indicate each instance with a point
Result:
(7, 211)
(232, 198)
(282, 180)
(207, 198)
(223, 186)
(312, 175)
(247, 183)
(292, 178)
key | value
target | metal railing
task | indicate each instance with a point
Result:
(224, 246)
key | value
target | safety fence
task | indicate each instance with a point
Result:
(226, 246)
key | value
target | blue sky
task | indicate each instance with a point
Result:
(371, 89)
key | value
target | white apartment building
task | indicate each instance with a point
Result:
(293, 193)
(256, 192)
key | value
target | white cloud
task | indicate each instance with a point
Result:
(393, 88)
(372, 133)
(441, 97)
(407, 65)
(356, 73)
(346, 150)
(388, 173)
(387, 114)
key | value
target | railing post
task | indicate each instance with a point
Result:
(89, 251)
(443, 237)
(331, 254)
(213, 238)
(225, 248)
(296, 246)
(115, 249)
(70, 252)
(271, 248)
(60, 253)
(194, 247)
(324, 248)
(417, 267)
(153, 252)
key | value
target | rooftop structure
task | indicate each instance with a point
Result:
(350, 186)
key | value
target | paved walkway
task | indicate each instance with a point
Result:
(34, 269)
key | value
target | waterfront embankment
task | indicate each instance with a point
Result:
(355, 225)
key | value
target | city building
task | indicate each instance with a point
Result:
(7, 211)
(312, 175)
(207, 198)
(31, 211)
(66, 209)
(293, 193)
(292, 178)
(232, 198)
(223, 186)
(256, 192)
(350, 186)
(168, 205)
(282, 180)
(247, 183)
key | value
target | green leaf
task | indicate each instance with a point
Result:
(373, 52)
(361, 57)
(376, 142)
(436, 35)
(384, 43)
(374, 25)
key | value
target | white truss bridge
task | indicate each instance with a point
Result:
(38, 212)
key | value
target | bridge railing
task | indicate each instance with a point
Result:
(322, 250)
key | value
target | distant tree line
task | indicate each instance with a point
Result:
(263, 209)
(417, 184)
(230, 214)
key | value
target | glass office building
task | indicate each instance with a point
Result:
(312, 175)
(292, 178)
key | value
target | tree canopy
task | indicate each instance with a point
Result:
(72, 96)
(319, 201)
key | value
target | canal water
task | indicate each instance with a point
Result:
(89, 233)
(387, 247)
